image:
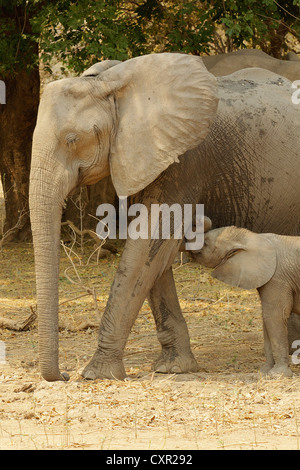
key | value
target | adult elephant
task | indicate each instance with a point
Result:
(225, 64)
(151, 122)
(218, 65)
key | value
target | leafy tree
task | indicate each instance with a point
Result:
(262, 23)
(220, 25)
(74, 32)
(19, 70)
(80, 33)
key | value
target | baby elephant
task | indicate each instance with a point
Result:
(271, 264)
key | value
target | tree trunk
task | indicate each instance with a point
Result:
(275, 43)
(18, 117)
(278, 40)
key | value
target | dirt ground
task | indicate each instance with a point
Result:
(226, 405)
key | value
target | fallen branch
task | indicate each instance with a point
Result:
(25, 325)
(18, 325)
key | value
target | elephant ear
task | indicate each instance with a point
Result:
(99, 67)
(166, 104)
(249, 265)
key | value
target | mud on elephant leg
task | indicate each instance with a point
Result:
(172, 332)
(141, 264)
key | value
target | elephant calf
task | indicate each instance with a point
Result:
(271, 264)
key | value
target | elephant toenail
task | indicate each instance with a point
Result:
(162, 368)
(65, 376)
(89, 375)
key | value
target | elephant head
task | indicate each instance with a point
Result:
(131, 120)
(240, 258)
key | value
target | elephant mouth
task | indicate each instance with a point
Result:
(88, 178)
(92, 173)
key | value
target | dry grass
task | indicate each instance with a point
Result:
(226, 405)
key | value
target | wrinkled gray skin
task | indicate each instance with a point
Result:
(246, 173)
(292, 56)
(225, 64)
(271, 264)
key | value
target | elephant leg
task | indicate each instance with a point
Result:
(176, 355)
(141, 264)
(275, 313)
(268, 366)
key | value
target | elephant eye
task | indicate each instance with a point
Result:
(71, 138)
(233, 252)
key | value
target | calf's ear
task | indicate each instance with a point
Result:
(249, 265)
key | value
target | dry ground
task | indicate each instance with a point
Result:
(226, 405)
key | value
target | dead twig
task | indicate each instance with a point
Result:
(15, 228)
(74, 298)
(69, 251)
(83, 232)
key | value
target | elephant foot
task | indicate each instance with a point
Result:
(266, 368)
(276, 371)
(170, 362)
(98, 369)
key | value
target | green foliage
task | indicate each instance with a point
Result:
(261, 23)
(176, 26)
(17, 40)
(219, 26)
(80, 32)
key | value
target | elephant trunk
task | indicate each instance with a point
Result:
(45, 200)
